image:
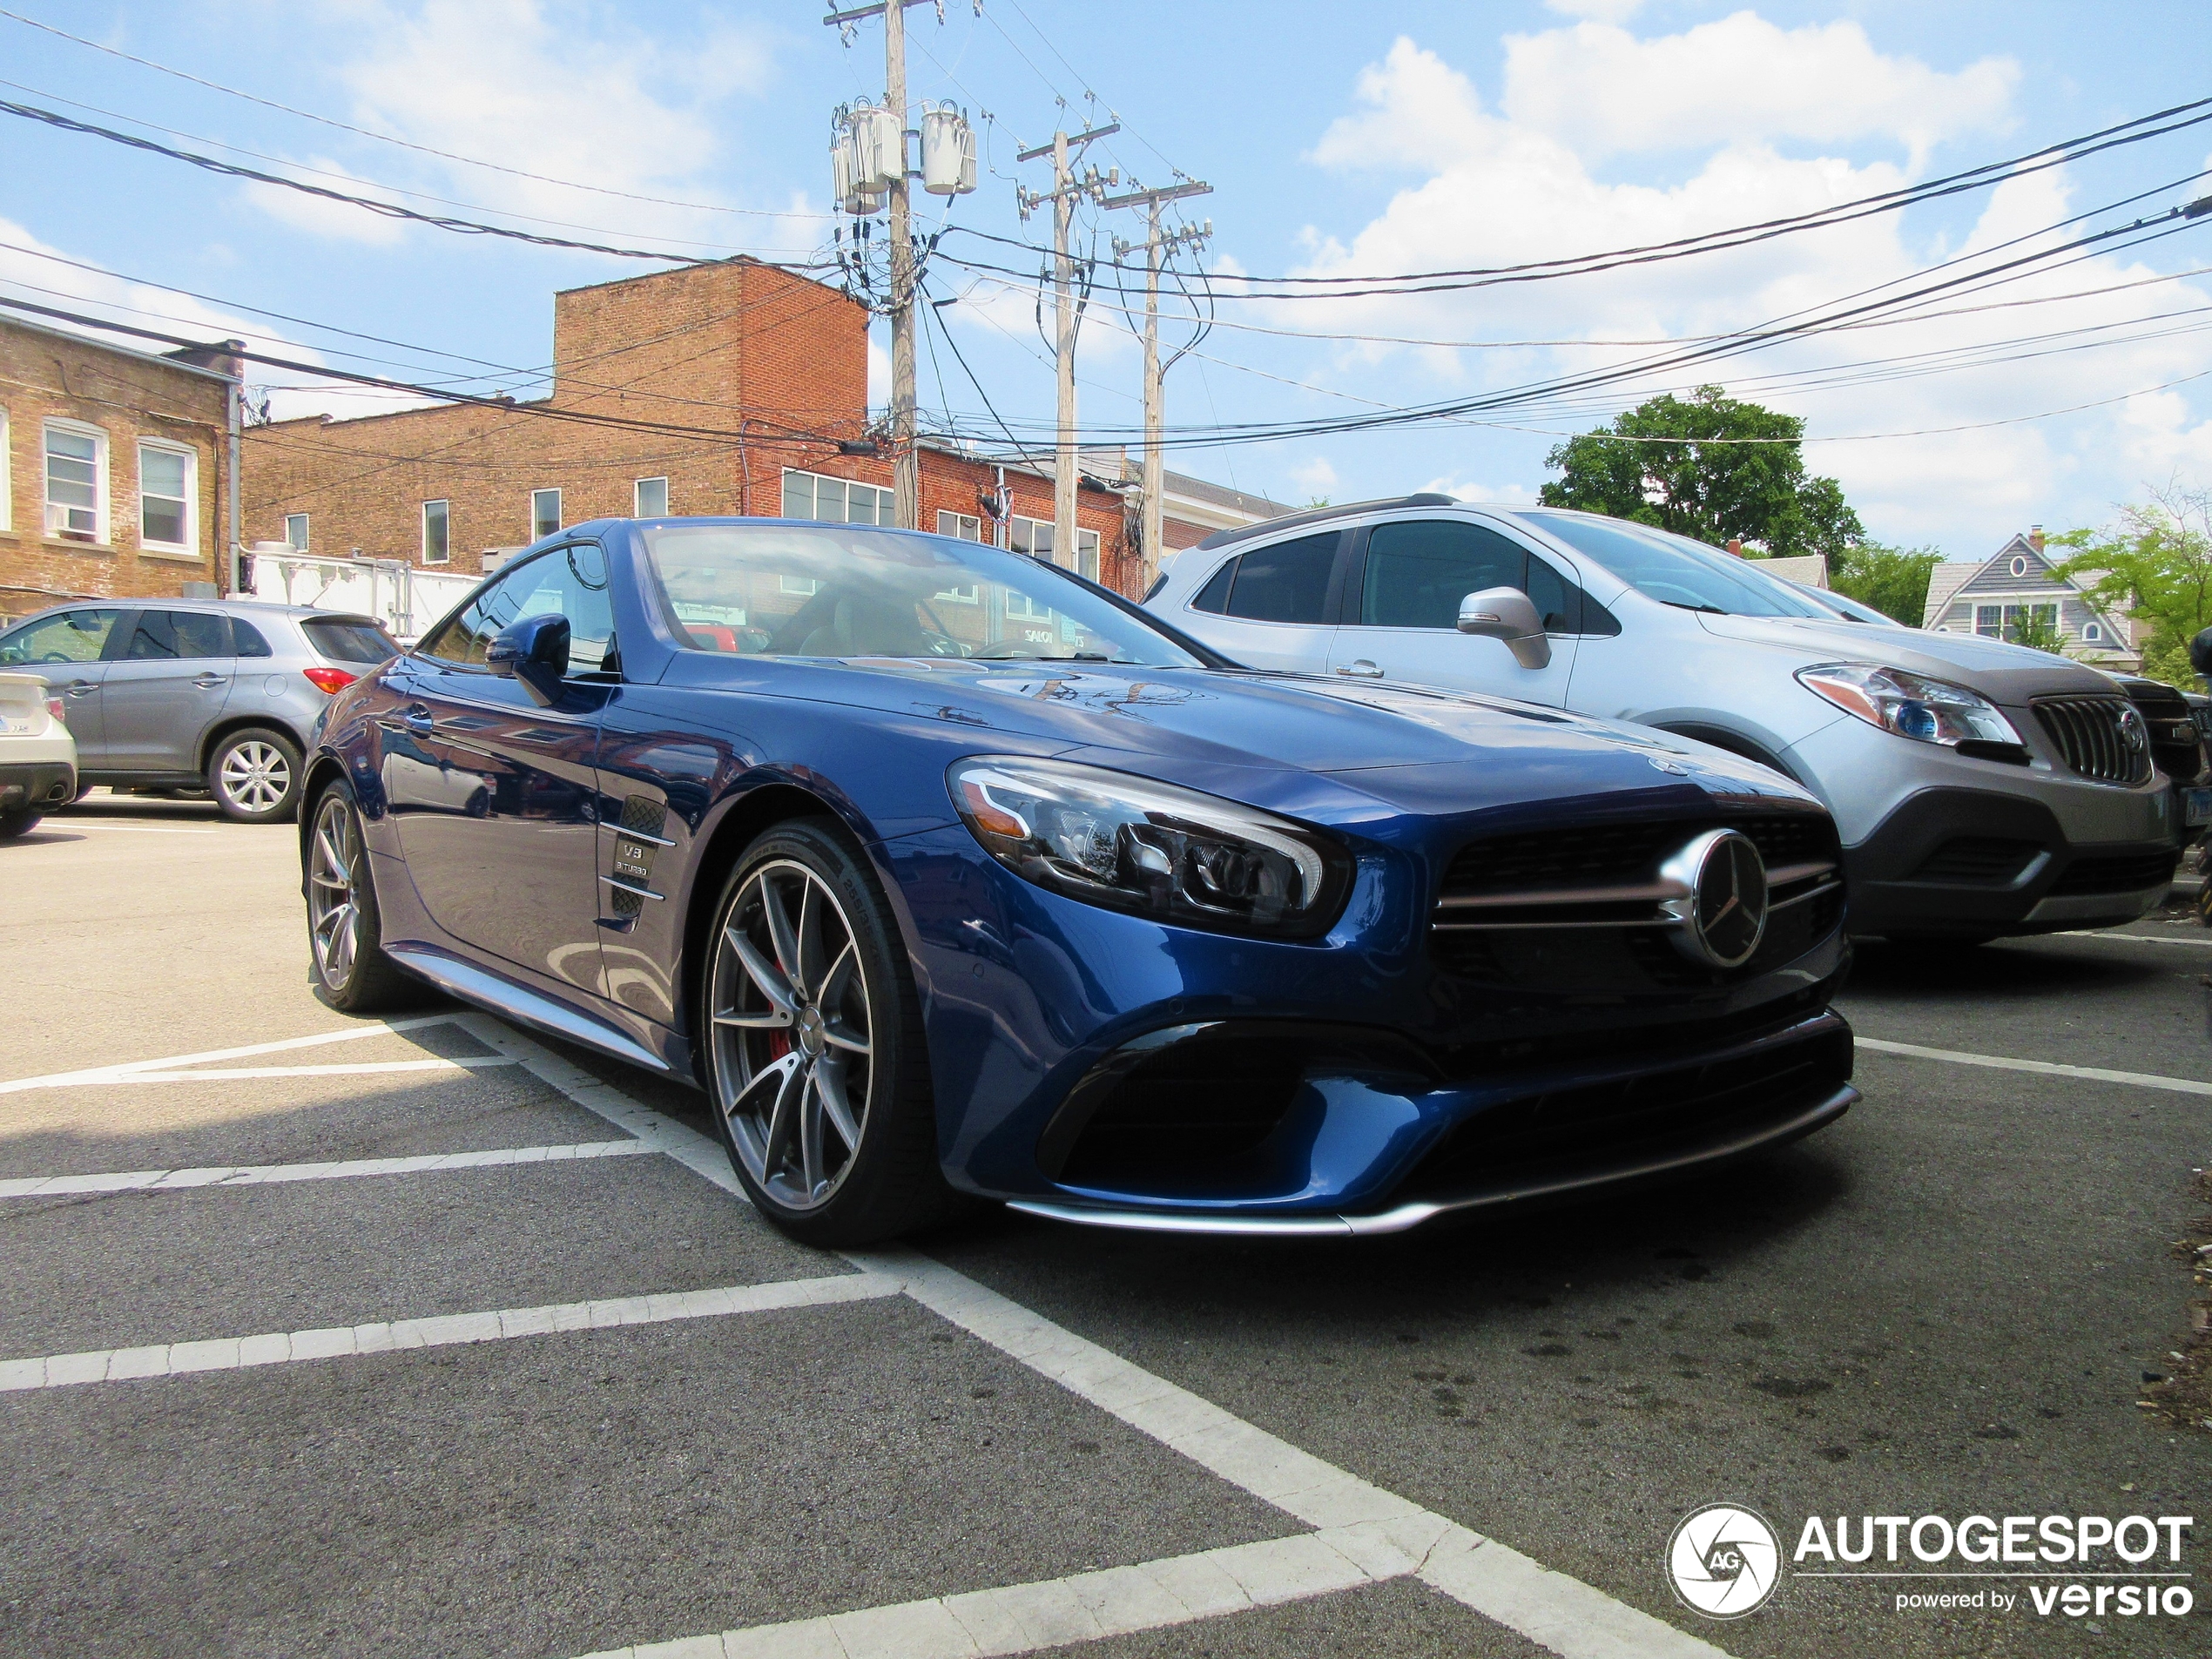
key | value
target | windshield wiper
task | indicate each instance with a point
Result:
(1710, 610)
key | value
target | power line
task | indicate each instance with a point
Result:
(389, 210)
(386, 137)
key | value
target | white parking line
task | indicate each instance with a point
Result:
(222, 1074)
(1560, 1613)
(1084, 1607)
(2093, 1074)
(178, 1061)
(2135, 939)
(252, 1174)
(127, 829)
(282, 1347)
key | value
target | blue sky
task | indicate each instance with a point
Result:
(1338, 139)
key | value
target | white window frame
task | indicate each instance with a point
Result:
(535, 533)
(7, 477)
(637, 497)
(305, 531)
(446, 503)
(164, 446)
(961, 527)
(1998, 631)
(2020, 564)
(100, 483)
(881, 496)
(2093, 633)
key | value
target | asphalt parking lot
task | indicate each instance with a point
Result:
(434, 1337)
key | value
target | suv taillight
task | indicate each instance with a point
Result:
(54, 708)
(329, 681)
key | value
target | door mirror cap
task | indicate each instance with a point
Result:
(534, 650)
(1510, 615)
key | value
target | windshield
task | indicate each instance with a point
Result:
(778, 589)
(1675, 570)
(1851, 610)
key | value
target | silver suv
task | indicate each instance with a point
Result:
(1980, 788)
(196, 693)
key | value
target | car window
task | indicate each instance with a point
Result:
(1214, 597)
(568, 582)
(342, 641)
(70, 637)
(795, 589)
(249, 640)
(179, 636)
(1419, 569)
(1675, 570)
(1287, 582)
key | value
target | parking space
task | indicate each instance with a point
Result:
(431, 1336)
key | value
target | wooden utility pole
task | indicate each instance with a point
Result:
(905, 475)
(1067, 189)
(1156, 248)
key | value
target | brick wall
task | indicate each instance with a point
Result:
(733, 348)
(123, 397)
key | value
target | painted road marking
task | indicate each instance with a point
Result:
(287, 1347)
(2093, 1074)
(176, 1061)
(1569, 1617)
(1083, 1607)
(253, 1174)
(231, 1074)
(2138, 939)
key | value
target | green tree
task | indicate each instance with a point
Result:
(1711, 467)
(1893, 580)
(2155, 565)
(2038, 632)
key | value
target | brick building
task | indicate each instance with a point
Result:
(762, 374)
(114, 468)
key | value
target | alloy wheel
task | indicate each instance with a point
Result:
(256, 776)
(793, 1034)
(334, 910)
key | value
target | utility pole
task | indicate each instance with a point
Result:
(1156, 248)
(1067, 190)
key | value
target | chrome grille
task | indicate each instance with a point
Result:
(2090, 732)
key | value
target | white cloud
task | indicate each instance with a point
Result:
(1599, 10)
(319, 216)
(1602, 91)
(1500, 188)
(1501, 495)
(1314, 477)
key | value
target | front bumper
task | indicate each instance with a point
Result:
(1971, 864)
(39, 785)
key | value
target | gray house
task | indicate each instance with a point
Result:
(1989, 597)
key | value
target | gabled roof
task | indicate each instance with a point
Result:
(1944, 582)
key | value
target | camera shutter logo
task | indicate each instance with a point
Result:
(1725, 1561)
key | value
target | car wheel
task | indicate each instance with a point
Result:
(815, 1053)
(17, 821)
(254, 776)
(345, 932)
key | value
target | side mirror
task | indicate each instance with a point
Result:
(1510, 615)
(534, 650)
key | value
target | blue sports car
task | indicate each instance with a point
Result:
(944, 872)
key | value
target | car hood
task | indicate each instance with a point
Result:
(1257, 735)
(2002, 672)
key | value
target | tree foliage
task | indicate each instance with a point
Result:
(1892, 579)
(2037, 632)
(2155, 565)
(1711, 467)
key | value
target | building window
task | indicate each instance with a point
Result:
(965, 527)
(437, 532)
(295, 531)
(545, 512)
(7, 491)
(806, 587)
(1989, 621)
(168, 496)
(75, 482)
(2020, 564)
(2092, 631)
(836, 500)
(651, 498)
(1033, 536)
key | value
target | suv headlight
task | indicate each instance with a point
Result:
(1128, 843)
(1911, 705)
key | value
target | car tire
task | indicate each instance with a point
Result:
(816, 1059)
(345, 931)
(254, 776)
(19, 820)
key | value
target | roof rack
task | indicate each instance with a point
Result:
(1323, 515)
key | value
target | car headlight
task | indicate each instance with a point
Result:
(1911, 705)
(1130, 844)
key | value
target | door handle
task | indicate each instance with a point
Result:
(419, 722)
(1360, 669)
(209, 682)
(80, 688)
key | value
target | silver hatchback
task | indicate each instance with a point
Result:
(213, 694)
